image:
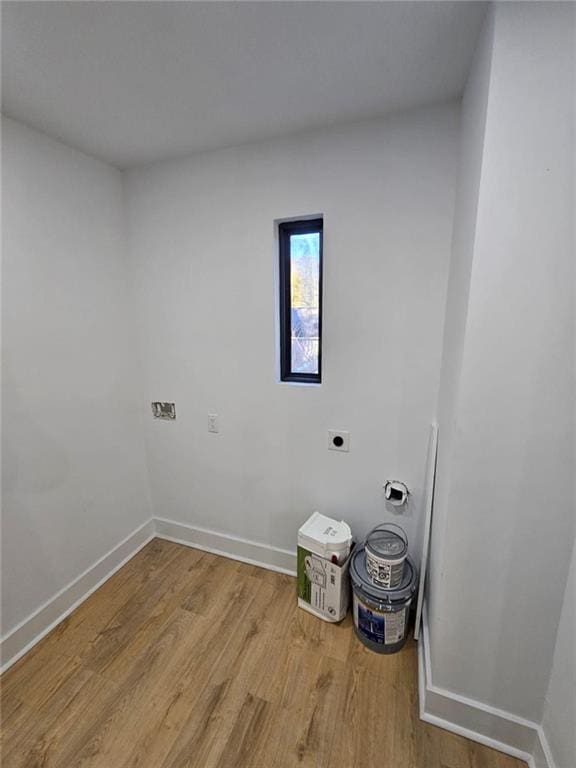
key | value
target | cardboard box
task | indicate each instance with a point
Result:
(323, 586)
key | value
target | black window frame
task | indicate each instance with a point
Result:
(285, 230)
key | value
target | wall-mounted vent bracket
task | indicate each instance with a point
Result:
(164, 410)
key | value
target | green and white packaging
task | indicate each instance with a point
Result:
(323, 585)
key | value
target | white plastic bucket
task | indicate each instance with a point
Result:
(386, 550)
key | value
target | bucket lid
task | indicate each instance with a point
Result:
(362, 581)
(386, 543)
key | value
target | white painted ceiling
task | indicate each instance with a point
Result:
(135, 82)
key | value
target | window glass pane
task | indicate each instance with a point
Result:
(305, 300)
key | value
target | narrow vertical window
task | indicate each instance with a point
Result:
(301, 300)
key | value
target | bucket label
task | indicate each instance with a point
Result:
(371, 624)
(384, 629)
(395, 624)
(388, 575)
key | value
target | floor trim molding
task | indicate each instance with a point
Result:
(24, 636)
(31, 630)
(234, 547)
(542, 754)
(474, 720)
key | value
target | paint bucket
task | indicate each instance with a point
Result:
(386, 551)
(381, 615)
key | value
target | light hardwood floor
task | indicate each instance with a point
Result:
(187, 659)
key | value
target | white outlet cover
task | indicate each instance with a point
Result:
(213, 424)
(338, 440)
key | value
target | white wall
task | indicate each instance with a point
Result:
(560, 707)
(505, 518)
(74, 473)
(472, 126)
(203, 256)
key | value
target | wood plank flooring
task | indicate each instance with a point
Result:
(186, 659)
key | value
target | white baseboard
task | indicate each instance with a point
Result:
(542, 754)
(252, 552)
(474, 720)
(25, 635)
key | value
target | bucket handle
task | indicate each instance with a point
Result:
(385, 526)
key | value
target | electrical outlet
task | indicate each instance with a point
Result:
(213, 425)
(338, 440)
